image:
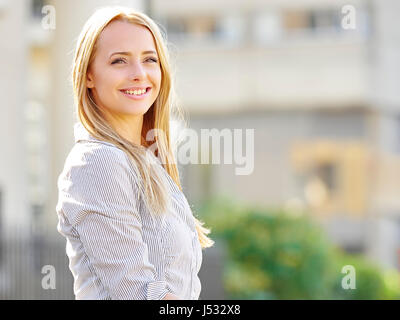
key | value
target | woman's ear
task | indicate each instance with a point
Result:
(89, 80)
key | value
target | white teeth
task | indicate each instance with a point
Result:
(136, 92)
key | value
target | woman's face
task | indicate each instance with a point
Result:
(126, 61)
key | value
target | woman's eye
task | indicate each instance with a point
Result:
(117, 61)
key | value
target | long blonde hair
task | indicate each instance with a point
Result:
(154, 188)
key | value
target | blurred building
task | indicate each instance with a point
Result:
(321, 97)
(14, 202)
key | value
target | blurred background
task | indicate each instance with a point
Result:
(317, 80)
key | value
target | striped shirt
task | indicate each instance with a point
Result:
(116, 248)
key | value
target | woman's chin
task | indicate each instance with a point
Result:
(135, 110)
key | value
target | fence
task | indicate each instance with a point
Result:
(21, 267)
(22, 271)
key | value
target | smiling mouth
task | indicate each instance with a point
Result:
(137, 92)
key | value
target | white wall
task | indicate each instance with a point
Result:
(384, 231)
(13, 92)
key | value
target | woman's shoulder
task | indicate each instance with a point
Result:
(96, 154)
(94, 161)
(96, 176)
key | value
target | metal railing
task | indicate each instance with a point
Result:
(27, 263)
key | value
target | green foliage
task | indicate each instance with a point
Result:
(275, 254)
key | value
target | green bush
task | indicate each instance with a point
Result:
(276, 254)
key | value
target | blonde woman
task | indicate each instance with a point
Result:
(129, 230)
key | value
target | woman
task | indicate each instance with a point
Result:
(130, 232)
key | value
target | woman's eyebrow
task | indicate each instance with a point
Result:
(126, 53)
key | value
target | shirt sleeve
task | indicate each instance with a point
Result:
(101, 203)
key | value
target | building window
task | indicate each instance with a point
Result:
(194, 27)
(319, 187)
(316, 20)
(327, 173)
(295, 20)
(266, 26)
(324, 21)
(36, 8)
(332, 175)
(198, 28)
(231, 28)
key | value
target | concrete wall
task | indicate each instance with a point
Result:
(13, 92)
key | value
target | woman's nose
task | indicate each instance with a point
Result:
(137, 71)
